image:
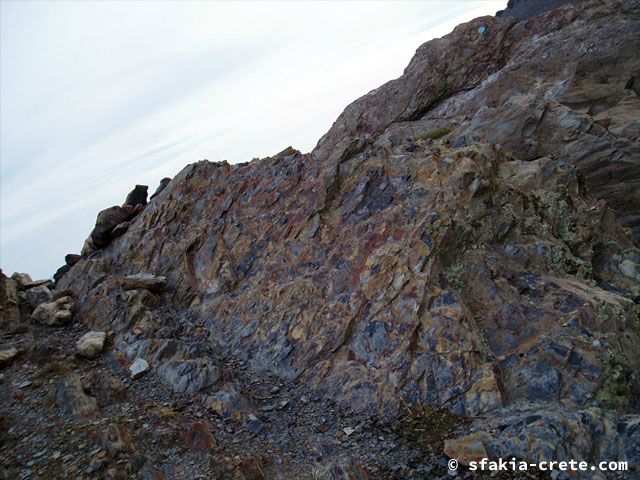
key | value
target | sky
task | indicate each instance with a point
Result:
(96, 97)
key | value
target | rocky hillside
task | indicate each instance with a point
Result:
(453, 271)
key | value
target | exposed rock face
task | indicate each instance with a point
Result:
(465, 235)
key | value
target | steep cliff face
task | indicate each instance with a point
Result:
(465, 235)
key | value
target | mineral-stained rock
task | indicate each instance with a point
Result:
(7, 355)
(199, 436)
(69, 396)
(90, 345)
(39, 295)
(465, 235)
(137, 196)
(163, 184)
(56, 313)
(144, 281)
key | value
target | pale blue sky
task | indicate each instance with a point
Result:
(96, 97)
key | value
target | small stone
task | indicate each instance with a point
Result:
(348, 431)
(138, 368)
(91, 344)
(254, 425)
(24, 384)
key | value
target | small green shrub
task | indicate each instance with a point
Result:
(435, 134)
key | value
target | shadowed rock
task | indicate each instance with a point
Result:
(163, 184)
(137, 196)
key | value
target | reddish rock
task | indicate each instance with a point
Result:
(199, 436)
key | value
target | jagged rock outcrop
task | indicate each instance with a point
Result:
(465, 235)
(137, 196)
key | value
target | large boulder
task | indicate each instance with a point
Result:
(137, 196)
(56, 313)
(105, 223)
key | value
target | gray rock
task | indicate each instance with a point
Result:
(138, 368)
(70, 396)
(189, 376)
(39, 295)
(90, 345)
(22, 279)
(254, 425)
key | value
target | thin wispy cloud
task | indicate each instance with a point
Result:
(98, 96)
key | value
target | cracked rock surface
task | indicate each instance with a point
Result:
(454, 268)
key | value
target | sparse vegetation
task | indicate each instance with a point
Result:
(435, 134)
